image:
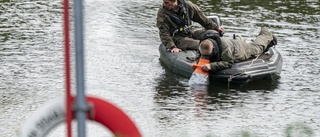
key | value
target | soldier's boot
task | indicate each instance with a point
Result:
(273, 42)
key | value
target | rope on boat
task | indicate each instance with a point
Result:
(241, 73)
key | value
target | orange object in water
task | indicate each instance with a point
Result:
(199, 66)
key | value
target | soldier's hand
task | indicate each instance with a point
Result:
(175, 50)
(221, 29)
(194, 66)
(206, 67)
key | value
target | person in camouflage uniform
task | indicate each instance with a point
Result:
(223, 52)
(174, 20)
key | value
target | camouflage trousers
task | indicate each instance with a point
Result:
(245, 50)
(192, 42)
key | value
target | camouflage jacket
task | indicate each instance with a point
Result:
(236, 50)
(167, 26)
(232, 51)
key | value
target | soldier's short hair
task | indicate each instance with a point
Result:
(206, 47)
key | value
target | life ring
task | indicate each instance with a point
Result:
(102, 112)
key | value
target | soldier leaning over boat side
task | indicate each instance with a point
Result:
(224, 52)
(174, 20)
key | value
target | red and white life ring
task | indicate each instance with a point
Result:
(102, 112)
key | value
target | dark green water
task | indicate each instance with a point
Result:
(122, 66)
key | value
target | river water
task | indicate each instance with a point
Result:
(122, 66)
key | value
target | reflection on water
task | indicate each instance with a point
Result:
(214, 96)
(202, 105)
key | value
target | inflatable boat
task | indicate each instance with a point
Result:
(268, 65)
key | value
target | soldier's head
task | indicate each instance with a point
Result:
(170, 4)
(206, 47)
